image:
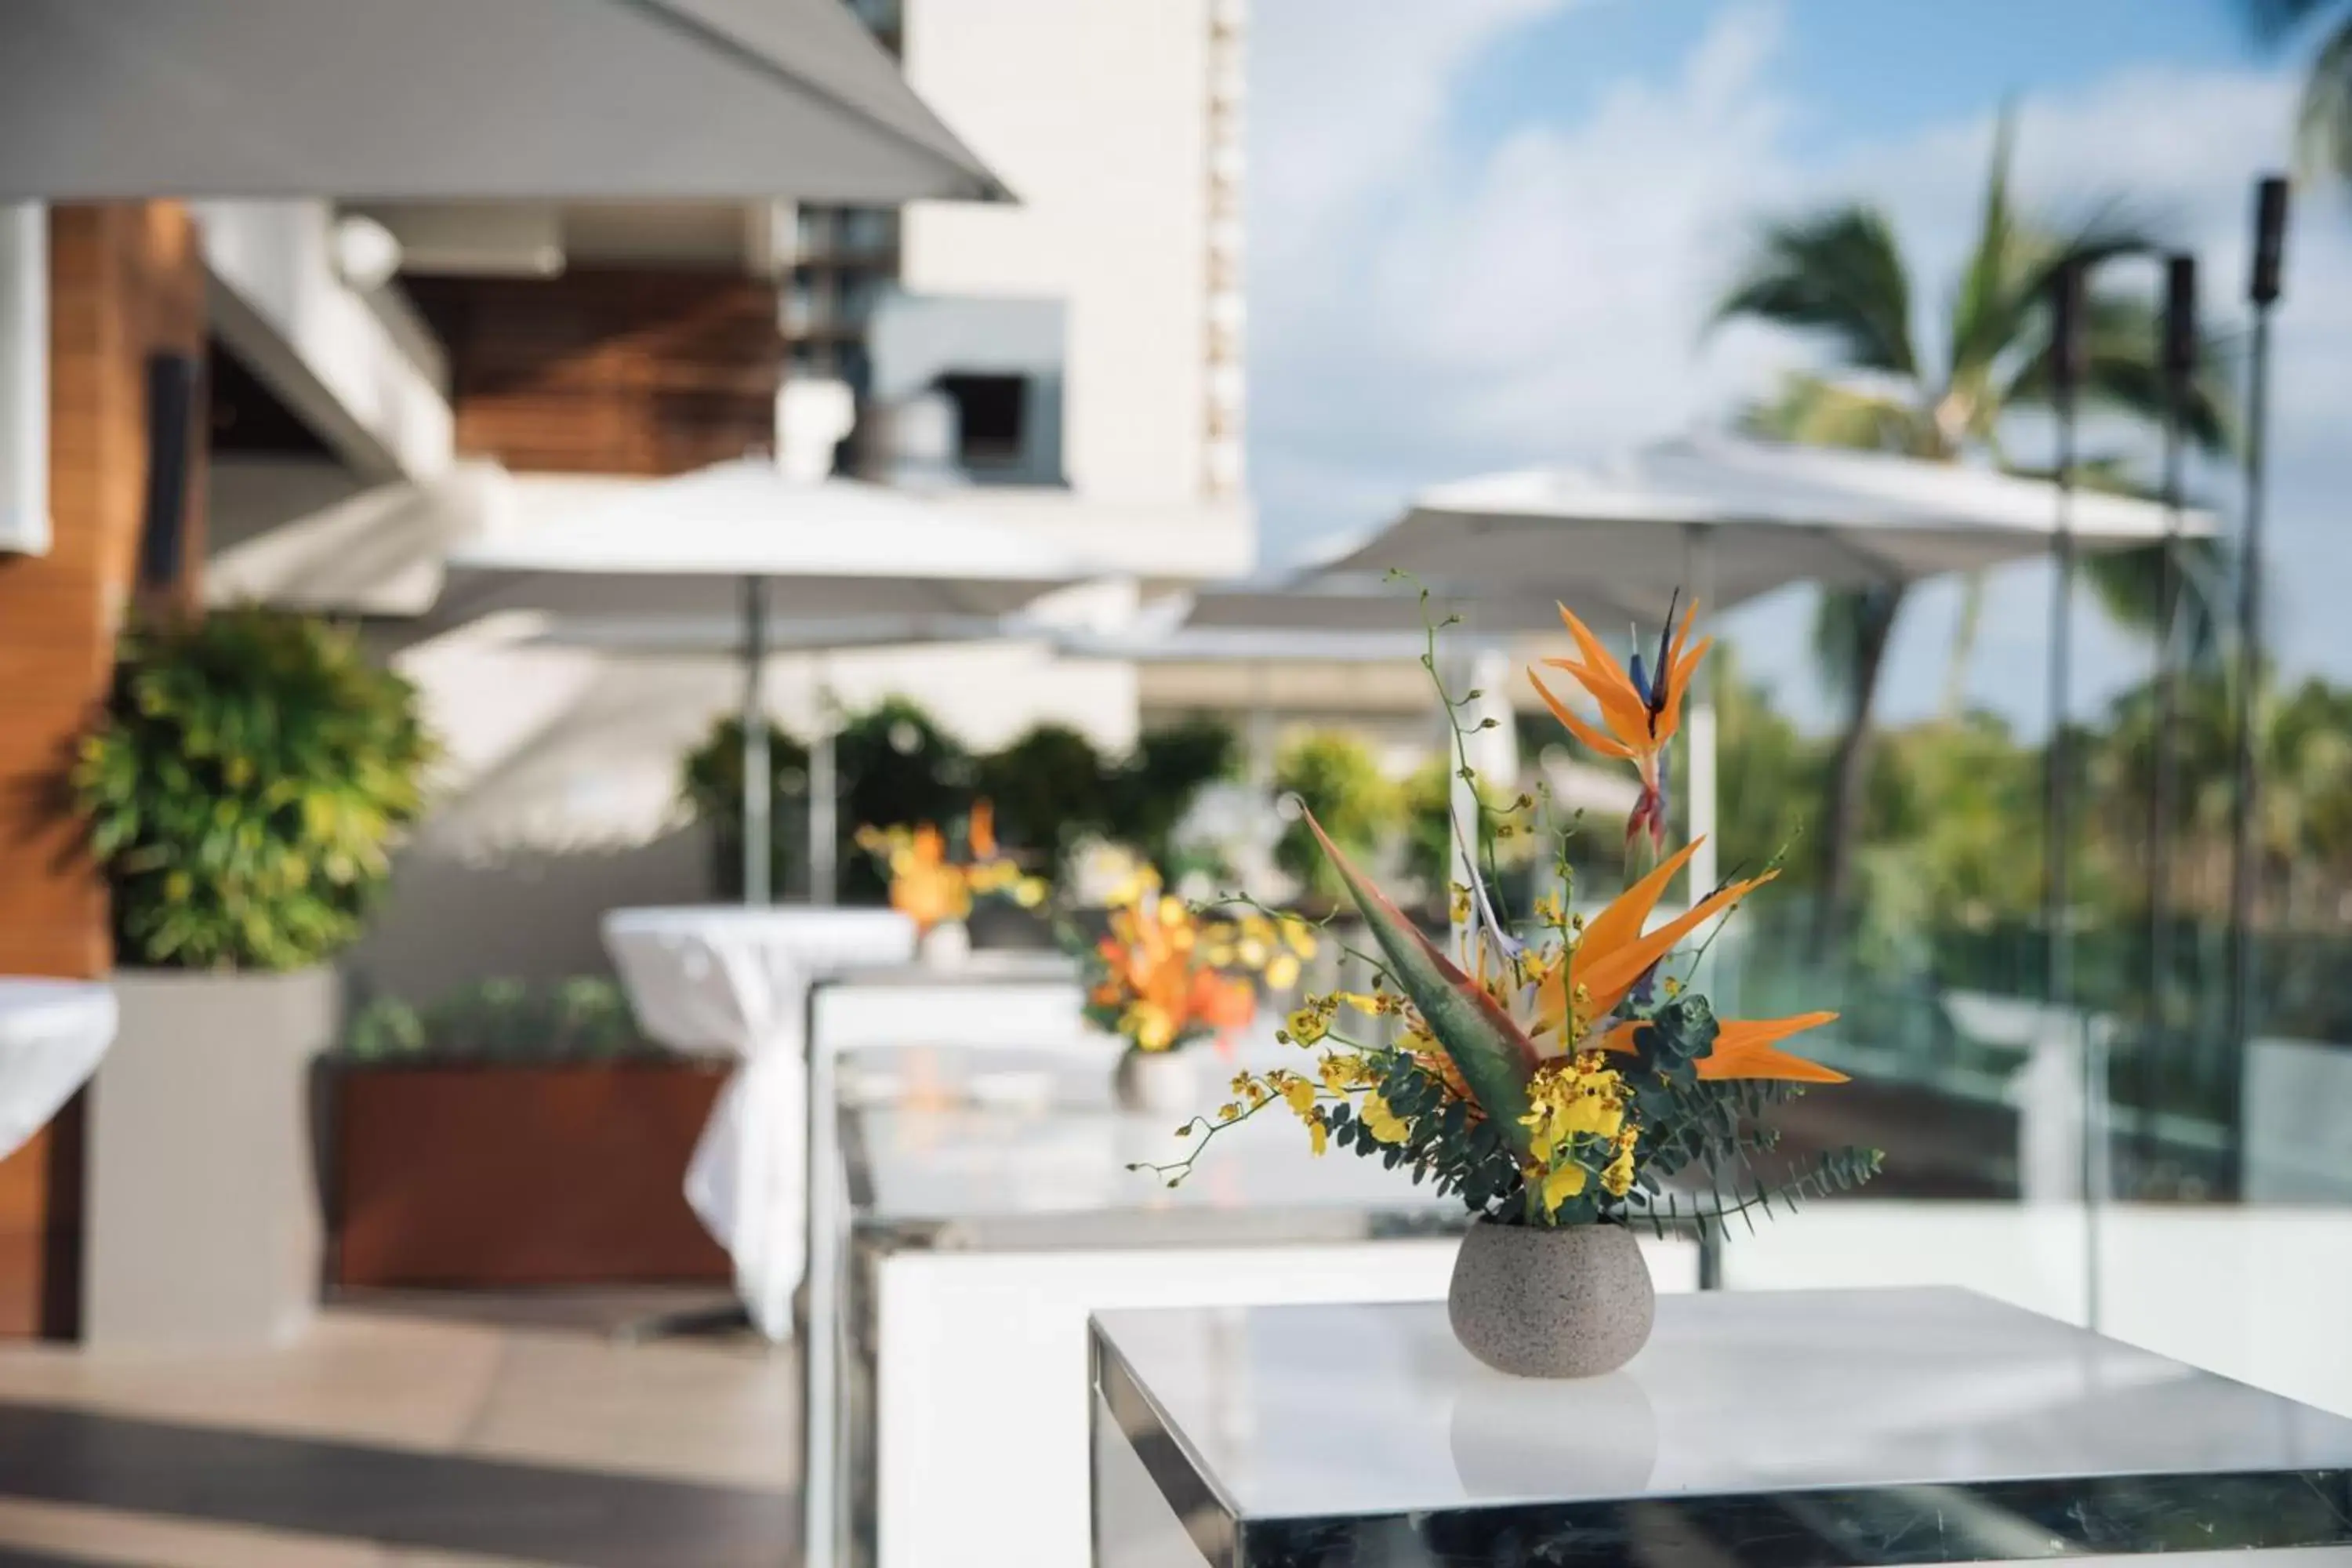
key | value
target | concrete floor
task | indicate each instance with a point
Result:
(458, 1432)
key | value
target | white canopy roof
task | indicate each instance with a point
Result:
(829, 550)
(1621, 535)
(465, 98)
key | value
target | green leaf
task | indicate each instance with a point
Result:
(1495, 1057)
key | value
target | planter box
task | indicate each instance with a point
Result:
(481, 1175)
(203, 1212)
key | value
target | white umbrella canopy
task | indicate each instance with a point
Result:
(744, 538)
(1723, 521)
(830, 549)
(1768, 515)
(445, 99)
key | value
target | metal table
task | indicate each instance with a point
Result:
(1920, 1425)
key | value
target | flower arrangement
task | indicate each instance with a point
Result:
(1161, 978)
(934, 883)
(1563, 1073)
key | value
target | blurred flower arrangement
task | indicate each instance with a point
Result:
(1161, 977)
(934, 882)
(1565, 1072)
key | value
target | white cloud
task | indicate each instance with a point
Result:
(1423, 309)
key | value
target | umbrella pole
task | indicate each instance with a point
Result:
(2066, 360)
(822, 813)
(758, 829)
(1698, 570)
(1705, 861)
(2245, 801)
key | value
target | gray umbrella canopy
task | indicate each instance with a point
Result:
(465, 98)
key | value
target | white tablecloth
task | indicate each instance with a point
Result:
(52, 1034)
(735, 979)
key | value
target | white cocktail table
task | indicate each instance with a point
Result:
(1846, 1427)
(737, 979)
(53, 1034)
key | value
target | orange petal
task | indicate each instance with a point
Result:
(982, 830)
(1596, 652)
(1611, 930)
(1606, 981)
(1621, 706)
(1743, 1050)
(1629, 911)
(1670, 715)
(1607, 746)
(1620, 1039)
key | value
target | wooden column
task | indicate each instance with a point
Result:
(126, 281)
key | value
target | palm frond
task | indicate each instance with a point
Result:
(2123, 369)
(1846, 623)
(1839, 276)
(2323, 132)
(2271, 20)
(1814, 411)
(1983, 313)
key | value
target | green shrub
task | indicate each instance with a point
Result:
(712, 787)
(1148, 794)
(1335, 774)
(584, 1018)
(1049, 788)
(244, 788)
(894, 767)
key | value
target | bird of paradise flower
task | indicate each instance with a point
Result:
(1560, 1070)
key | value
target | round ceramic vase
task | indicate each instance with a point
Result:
(1535, 1302)
(1158, 1083)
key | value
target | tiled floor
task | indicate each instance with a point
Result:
(453, 1432)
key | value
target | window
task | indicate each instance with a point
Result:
(991, 417)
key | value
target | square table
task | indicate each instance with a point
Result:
(1796, 1428)
(979, 1239)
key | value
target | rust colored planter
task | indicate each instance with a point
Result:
(511, 1174)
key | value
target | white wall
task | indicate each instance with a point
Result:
(279, 302)
(1096, 113)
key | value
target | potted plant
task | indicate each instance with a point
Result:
(1556, 1078)
(1161, 980)
(242, 791)
(560, 1141)
(934, 880)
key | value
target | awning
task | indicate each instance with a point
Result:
(498, 100)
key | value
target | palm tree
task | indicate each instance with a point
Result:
(1840, 277)
(2323, 134)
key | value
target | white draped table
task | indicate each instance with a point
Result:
(737, 980)
(52, 1036)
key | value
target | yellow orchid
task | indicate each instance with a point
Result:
(1640, 710)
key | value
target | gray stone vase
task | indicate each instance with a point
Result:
(1158, 1083)
(1535, 1302)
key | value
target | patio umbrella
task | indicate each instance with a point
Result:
(1725, 520)
(743, 538)
(444, 99)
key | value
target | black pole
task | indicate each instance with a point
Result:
(2178, 351)
(2269, 245)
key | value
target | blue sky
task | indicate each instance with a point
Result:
(1485, 233)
